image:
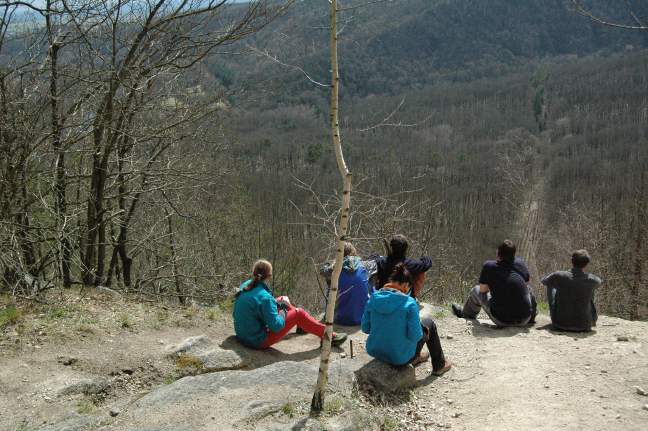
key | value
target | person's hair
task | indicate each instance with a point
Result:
(260, 271)
(400, 274)
(506, 251)
(398, 245)
(580, 258)
(349, 249)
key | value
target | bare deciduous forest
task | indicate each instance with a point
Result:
(158, 148)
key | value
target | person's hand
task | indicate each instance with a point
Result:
(283, 302)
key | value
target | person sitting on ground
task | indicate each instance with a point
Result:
(397, 253)
(396, 333)
(353, 287)
(502, 292)
(260, 320)
(570, 295)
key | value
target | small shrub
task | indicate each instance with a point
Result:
(288, 409)
(9, 316)
(189, 361)
(169, 379)
(389, 424)
(57, 313)
(333, 405)
(85, 407)
(213, 314)
(125, 321)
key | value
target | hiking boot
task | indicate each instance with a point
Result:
(442, 371)
(338, 339)
(457, 310)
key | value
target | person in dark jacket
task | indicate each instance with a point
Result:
(396, 333)
(570, 295)
(260, 320)
(502, 292)
(397, 253)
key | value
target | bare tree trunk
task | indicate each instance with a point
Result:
(637, 278)
(60, 185)
(174, 261)
(317, 403)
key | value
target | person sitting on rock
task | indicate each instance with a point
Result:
(353, 287)
(502, 292)
(260, 320)
(570, 295)
(396, 333)
(397, 253)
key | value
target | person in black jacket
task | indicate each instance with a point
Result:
(397, 253)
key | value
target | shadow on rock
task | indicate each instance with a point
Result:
(261, 358)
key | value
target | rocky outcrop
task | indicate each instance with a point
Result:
(225, 400)
(210, 356)
(386, 378)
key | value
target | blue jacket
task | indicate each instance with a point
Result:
(391, 319)
(255, 312)
(353, 292)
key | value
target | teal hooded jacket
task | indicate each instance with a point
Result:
(391, 319)
(255, 312)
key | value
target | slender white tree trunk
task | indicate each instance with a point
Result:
(317, 403)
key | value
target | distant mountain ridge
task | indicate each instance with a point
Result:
(386, 47)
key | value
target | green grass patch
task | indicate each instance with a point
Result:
(85, 407)
(10, 316)
(57, 313)
(543, 307)
(212, 313)
(288, 409)
(333, 405)
(389, 424)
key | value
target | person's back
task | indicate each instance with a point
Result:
(397, 251)
(391, 319)
(507, 282)
(353, 292)
(254, 310)
(571, 295)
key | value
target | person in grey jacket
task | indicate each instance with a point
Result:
(570, 295)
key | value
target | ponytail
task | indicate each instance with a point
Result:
(261, 270)
(400, 274)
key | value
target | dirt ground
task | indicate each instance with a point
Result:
(502, 379)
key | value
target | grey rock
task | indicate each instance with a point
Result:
(623, 338)
(191, 344)
(645, 407)
(385, 378)
(86, 386)
(212, 357)
(234, 398)
(219, 359)
(114, 412)
(641, 391)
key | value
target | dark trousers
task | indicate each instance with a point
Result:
(433, 344)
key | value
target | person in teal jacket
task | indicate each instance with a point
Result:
(396, 334)
(260, 320)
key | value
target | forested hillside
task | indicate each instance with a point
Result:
(165, 165)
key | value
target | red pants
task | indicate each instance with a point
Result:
(298, 317)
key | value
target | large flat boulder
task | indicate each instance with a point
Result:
(222, 401)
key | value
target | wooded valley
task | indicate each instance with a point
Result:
(159, 148)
